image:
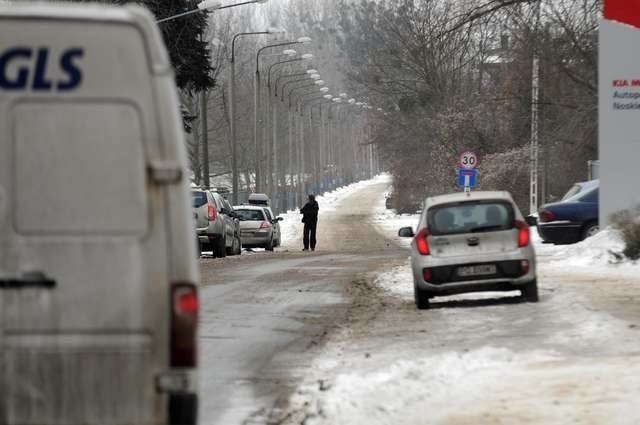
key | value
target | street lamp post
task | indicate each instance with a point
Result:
(257, 111)
(234, 144)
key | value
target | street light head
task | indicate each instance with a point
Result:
(209, 4)
(289, 52)
(304, 40)
(328, 96)
(307, 56)
(320, 82)
(275, 30)
(324, 89)
(261, 1)
(352, 101)
(343, 95)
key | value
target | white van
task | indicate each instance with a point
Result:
(98, 301)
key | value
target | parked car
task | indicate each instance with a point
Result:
(468, 243)
(216, 225)
(98, 280)
(263, 200)
(571, 220)
(532, 219)
(256, 229)
(232, 224)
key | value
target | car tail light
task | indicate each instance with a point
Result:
(211, 212)
(523, 233)
(184, 325)
(265, 225)
(421, 241)
(426, 274)
(524, 266)
(546, 215)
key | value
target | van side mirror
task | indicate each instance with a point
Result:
(279, 219)
(406, 232)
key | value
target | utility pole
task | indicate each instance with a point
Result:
(535, 95)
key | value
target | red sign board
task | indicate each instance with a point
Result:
(624, 11)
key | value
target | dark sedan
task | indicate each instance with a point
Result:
(571, 220)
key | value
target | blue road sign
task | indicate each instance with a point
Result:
(467, 178)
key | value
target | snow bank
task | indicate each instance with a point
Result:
(426, 390)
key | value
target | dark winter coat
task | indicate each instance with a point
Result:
(309, 212)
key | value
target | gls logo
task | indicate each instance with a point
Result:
(38, 80)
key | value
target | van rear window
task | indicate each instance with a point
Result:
(470, 217)
(79, 168)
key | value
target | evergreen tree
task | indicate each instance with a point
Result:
(183, 37)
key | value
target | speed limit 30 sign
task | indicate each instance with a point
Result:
(468, 160)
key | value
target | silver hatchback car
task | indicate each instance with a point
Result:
(469, 242)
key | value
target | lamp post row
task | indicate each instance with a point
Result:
(300, 107)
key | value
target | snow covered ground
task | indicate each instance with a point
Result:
(291, 227)
(567, 359)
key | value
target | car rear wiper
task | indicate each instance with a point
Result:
(27, 280)
(485, 228)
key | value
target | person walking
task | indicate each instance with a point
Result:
(310, 219)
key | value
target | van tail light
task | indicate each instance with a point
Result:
(265, 225)
(545, 216)
(211, 212)
(184, 325)
(524, 235)
(421, 241)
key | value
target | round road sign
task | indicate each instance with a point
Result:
(468, 160)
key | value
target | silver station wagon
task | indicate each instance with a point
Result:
(469, 242)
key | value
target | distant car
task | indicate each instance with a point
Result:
(532, 219)
(571, 220)
(232, 224)
(256, 229)
(216, 227)
(471, 242)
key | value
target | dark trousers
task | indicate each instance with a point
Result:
(309, 235)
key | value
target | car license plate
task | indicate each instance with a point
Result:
(481, 270)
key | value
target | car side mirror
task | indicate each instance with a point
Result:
(406, 232)
(279, 219)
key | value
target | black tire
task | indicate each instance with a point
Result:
(238, 246)
(421, 298)
(530, 291)
(589, 229)
(220, 247)
(198, 249)
(269, 246)
(232, 250)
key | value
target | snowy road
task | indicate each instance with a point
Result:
(334, 338)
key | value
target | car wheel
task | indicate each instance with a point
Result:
(221, 247)
(530, 291)
(589, 230)
(198, 249)
(238, 250)
(421, 298)
(269, 246)
(232, 249)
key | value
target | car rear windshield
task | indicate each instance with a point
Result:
(470, 217)
(198, 199)
(250, 215)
